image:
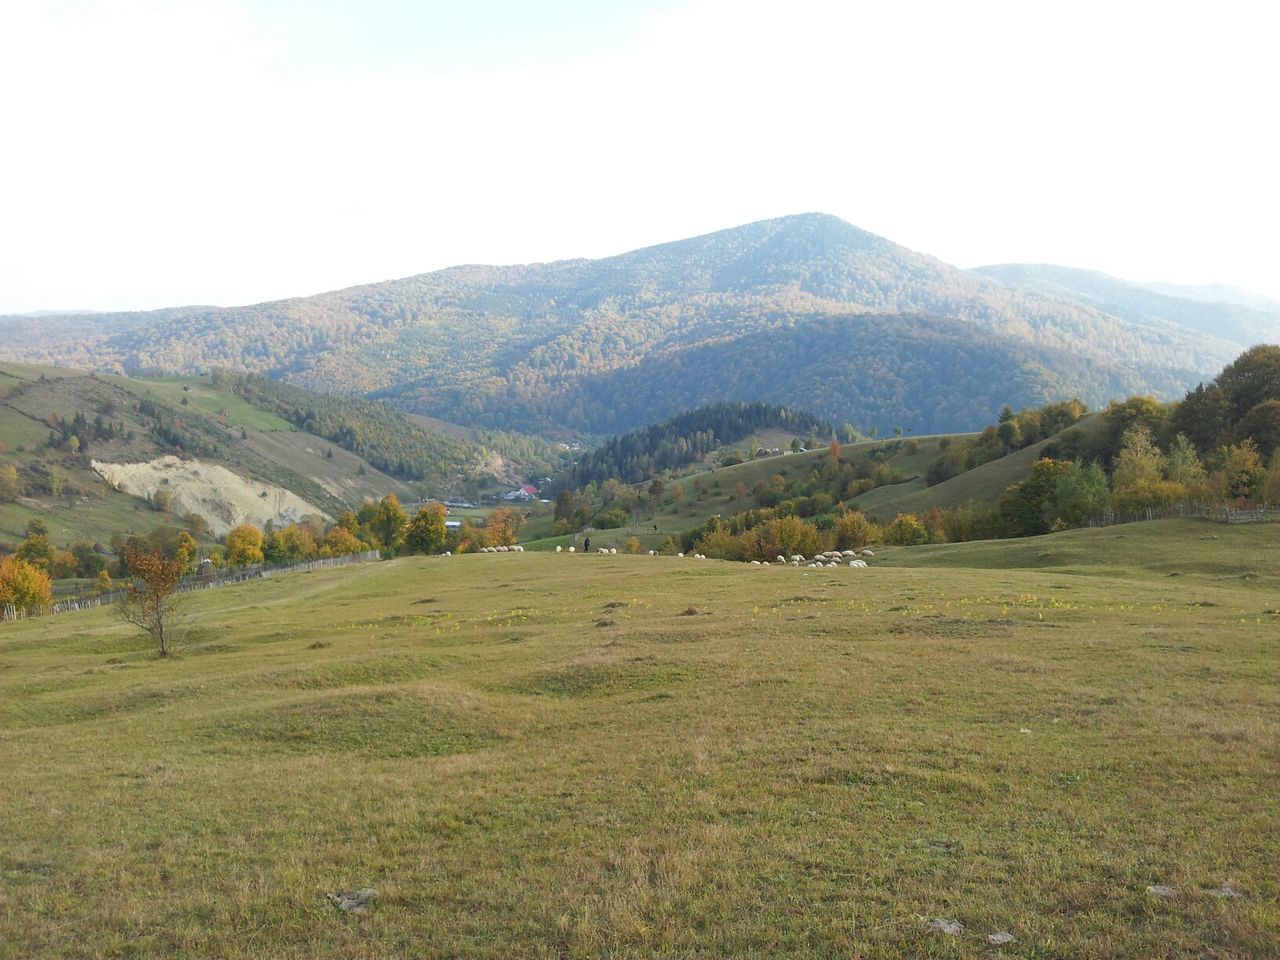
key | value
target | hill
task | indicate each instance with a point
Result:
(635, 756)
(805, 311)
(685, 439)
(64, 430)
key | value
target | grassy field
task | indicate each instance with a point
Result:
(205, 399)
(554, 756)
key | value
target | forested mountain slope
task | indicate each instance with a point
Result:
(1193, 309)
(805, 310)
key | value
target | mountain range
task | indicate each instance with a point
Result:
(807, 311)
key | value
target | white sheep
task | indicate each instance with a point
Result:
(781, 558)
(795, 563)
(612, 551)
(867, 553)
(653, 553)
(573, 549)
(755, 563)
(681, 555)
(558, 548)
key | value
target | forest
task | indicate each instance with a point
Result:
(684, 439)
(374, 431)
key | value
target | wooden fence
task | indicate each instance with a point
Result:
(187, 584)
(1201, 511)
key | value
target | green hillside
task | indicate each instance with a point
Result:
(714, 491)
(135, 420)
(534, 755)
(804, 311)
(981, 486)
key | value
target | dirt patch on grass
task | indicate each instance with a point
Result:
(388, 725)
(955, 626)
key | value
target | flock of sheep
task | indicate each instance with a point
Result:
(829, 558)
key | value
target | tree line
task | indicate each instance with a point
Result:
(1140, 455)
(683, 439)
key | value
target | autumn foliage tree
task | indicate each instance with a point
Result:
(387, 521)
(501, 526)
(23, 584)
(149, 602)
(426, 532)
(244, 546)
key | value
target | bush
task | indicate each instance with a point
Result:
(23, 584)
(611, 519)
(906, 530)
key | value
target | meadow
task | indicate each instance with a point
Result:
(534, 755)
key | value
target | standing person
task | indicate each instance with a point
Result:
(586, 545)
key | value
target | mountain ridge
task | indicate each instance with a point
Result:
(546, 347)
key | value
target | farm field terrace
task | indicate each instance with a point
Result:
(541, 755)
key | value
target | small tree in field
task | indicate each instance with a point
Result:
(149, 601)
(906, 530)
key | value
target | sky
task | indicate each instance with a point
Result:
(165, 152)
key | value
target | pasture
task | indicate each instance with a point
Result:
(1070, 739)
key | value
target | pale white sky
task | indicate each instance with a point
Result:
(164, 152)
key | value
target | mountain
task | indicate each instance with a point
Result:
(1218, 293)
(805, 310)
(1235, 315)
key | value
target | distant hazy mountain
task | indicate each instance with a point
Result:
(1215, 310)
(1218, 293)
(805, 310)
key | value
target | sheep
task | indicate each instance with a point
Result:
(653, 553)
(448, 553)
(795, 563)
(573, 549)
(681, 555)
(867, 553)
(558, 548)
(781, 558)
(613, 551)
(755, 563)
(848, 553)
(857, 563)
